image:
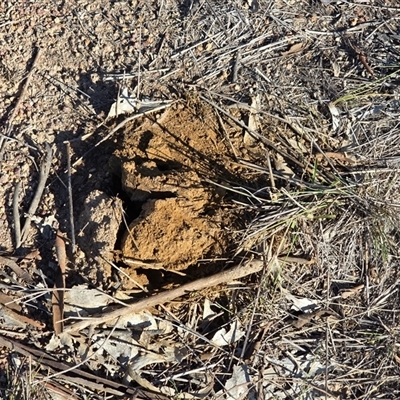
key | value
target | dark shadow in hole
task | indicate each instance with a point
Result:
(145, 140)
(101, 94)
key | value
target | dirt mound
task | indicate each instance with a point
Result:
(164, 164)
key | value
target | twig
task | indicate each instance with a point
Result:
(139, 61)
(271, 175)
(256, 301)
(5, 311)
(16, 216)
(24, 89)
(19, 101)
(70, 201)
(44, 173)
(57, 297)
(226, 276)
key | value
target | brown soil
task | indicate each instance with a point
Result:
(164, 164)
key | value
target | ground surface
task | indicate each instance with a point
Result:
(271, 131)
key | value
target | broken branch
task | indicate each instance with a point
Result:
(232, 274)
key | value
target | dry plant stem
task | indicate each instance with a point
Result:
(58, 295)
(20, 100)
(362, 58)
(223, 277)
(24, 89)
(44, 173)
(250, 323)
(271, 175)
(16, 216)
(70, 201)
(236, 67)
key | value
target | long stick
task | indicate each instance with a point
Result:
(19, 102)
(24, 89)
(222, 277)
(17, 222)
(70, 201)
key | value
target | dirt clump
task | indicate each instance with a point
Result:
(164, 163)
(98, 226)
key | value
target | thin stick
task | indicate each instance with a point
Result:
(139, 61)
(44, 173)
(19, 102)
(24, 275)
(70, 201)
(232, 274)
(256, 301)
(271, 174)
(16, 216)
(57, 297)
(24, 89)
